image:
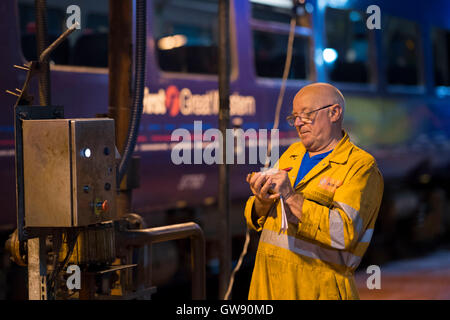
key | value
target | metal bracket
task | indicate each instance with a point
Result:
(37, 269)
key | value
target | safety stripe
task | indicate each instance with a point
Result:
(367, 236)
(309, 249)
(352, 214)
(336, 230)
(353, 261)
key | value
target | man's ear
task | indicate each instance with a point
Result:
(335, 113)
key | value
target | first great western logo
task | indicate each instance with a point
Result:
(174, 102)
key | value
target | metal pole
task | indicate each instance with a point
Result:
(41, 44)
(119, 63)
(190, 230)
(224, 120)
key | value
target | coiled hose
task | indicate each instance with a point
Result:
(138, 93)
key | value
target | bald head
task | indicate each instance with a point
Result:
(321, 129)
(320, 94)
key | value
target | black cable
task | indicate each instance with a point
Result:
(71, 238)
(138, 93)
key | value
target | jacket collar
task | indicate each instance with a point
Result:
(342, 150)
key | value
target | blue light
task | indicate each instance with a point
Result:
(442, 91)
(355, 16)
(329, 55)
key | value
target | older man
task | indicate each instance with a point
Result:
(330, 200)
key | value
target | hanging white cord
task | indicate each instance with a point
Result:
(287, 67)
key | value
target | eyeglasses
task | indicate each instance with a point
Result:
(304, 116)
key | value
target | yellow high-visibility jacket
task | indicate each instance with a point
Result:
(316, 258)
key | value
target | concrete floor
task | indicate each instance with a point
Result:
(414, 279)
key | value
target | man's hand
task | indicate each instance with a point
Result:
(282, 185)
(260, 185)
(292, 200)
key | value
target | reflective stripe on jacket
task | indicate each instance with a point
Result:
(316, 258)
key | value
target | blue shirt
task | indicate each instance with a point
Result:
(308, 163)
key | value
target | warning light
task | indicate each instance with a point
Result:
(86, 153)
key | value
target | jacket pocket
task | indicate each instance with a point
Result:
(323, 197)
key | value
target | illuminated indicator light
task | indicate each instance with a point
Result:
(86, 153)
(101, 206)
(330, 55)
(105, 206)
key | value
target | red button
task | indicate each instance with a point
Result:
(105, 206)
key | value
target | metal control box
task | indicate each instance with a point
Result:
(69, 172)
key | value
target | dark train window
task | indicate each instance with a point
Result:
(270, 24)
(401, 47)
(186, 35)
(441, 57)
(85, 47)
(346, 56)
(270, 55)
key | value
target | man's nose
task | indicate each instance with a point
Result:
(298, 122)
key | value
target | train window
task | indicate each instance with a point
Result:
(401, 46)
(86, 47)
(270, 55)
(186, 35)
(270, 24)
(346, 57)
(441, 55)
